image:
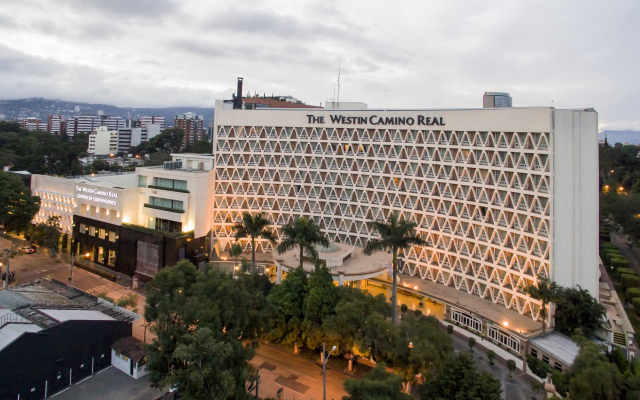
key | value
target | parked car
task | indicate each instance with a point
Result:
(28, 249)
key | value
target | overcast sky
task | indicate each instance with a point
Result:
(395, 54)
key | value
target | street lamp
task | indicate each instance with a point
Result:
(6, 279)
(86, 255)
(324, 375)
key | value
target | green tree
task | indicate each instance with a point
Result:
(236, 311)
(511, 366)
(379, 338)
(343, 327)
(395, 235)
(491, 355)
(459, 379)
(472, 342)
(576, 308)
(235, 251)
(289, 300)
(17, 205)
(205, 374)
(423, 349)
(377, 384)
(303, 233)
(200, 146)
(47, 234)
(545, 291)
(593, 376)
(169, 141)
(254, 226)
(318, 305)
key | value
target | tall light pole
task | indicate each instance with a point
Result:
(5, 284)
(324, 374)
(71, 266)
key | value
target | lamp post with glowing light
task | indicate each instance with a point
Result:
(324, 374)
(71, 266)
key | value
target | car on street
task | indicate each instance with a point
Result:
(28, 249)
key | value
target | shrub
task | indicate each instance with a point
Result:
(472, 342)
(538, 366)
(629, 281)
(623, 271)
(418, 313)
(404, 308)
(561, 382)
(491, 355)
(450, 329)
(512, 366)
(608, 245)
(631, 294)
(611, 253)
(636, 305)
(619, 263)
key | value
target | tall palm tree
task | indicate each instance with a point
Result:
(254, 226)
(394, 235)
(546, 291)
(304, 233)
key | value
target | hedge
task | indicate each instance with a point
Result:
(609, 254)
(636, 305)
(538, 366)
(623, 271)
(632, 293)
(620, 263)
(629, 281)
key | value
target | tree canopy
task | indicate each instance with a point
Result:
(377, 384)
(47, 234)
(169, 141)
(254, 227)
(459, 379)
(41, 152)
(17, 205)
(304, 234)
(576, 308)
(204, 319)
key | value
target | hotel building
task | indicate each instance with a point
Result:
(500, 195)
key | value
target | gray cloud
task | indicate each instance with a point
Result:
(406, 55)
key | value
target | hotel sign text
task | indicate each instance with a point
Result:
(97, 195)
(375, 120)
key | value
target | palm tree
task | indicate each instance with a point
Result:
(546, 291)
(304, 233)
(254, 226)
(394, 235)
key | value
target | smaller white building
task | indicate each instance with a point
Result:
(128, 355)
(103, 141)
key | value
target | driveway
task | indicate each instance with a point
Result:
(110, 384)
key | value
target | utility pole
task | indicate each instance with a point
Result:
(6, 278)
(257, 383)
(324, 374)
(71, 272)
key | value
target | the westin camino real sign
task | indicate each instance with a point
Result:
(375, 120)
(97, 195)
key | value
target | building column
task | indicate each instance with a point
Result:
(341, 279)
(279, 276)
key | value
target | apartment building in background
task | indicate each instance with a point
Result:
(152, 120)
(88, 123)
(103, 141)
(53, 124)
(192, 125)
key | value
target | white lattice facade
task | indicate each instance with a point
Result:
(478, 183)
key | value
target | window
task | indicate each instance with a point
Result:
(92, 230)
(558, 367)
(142, 181)
(534, 353)
(170, 183)
(545, 359)
(102, 233)
(112, 236)
(166, 203)
(505, 338)
(83, 228)
(466, 320)
(112, 258)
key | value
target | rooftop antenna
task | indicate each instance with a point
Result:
(338, 98)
